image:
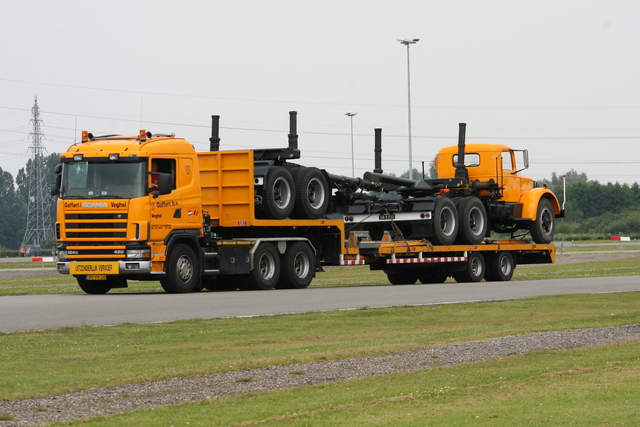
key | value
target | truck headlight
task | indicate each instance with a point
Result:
(139, 253)
(63, 255)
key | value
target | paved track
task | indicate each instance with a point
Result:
(23, 313)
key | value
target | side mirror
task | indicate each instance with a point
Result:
(162, 183)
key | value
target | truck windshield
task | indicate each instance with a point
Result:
(106, 180)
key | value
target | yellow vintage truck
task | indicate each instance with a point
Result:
(149, 207)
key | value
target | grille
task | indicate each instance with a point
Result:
(107, 227)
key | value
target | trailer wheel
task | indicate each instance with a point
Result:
(445, 222)
(472, 218)
(500, 267)
(474, 271)
(298, 266)
(402, 277)
(429, 277)
(312, 193)
(279, 196)
(543, 228)
(181, 270)
(266, 268)
(98, 287)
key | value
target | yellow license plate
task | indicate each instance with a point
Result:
(91, 268)
(96, 277)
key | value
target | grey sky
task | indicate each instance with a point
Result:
(556, 77)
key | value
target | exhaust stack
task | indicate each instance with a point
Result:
(293, 130)
(461, 169)
(377, 151)
(214, 141)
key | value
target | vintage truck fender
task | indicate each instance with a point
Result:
(531, 199)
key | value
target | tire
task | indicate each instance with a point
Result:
(182, 270)
(472, 220)
(401, 277)
(266, 269)
(544, 227)
(298, 266)
(445, 222)
(474, 271)
(312, 193)
(500, 267)
(430, 277)
(95, 287)
(279, 195)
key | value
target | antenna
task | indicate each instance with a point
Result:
(39, 226)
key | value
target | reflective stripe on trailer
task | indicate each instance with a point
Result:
(356, 261)
(420, 259)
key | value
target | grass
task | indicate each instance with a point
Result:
(77, 358)
(584, 387)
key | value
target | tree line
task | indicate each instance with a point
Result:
(14, 203)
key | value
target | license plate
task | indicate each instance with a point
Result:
(97, 268)
(96, 277)
(386, 216)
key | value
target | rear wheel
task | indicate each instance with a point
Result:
(312, 193)
(543, 228)
(266, 268)
(472, 218)
(182, 270)
(445, 222)
(279, 196)
(430, 277)
(298, 266)
(474, 271)
(401, 277)
(500, 267)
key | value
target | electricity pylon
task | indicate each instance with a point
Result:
(39, 226)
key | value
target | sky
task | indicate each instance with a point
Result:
(556, 77)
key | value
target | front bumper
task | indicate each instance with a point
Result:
(125, 267)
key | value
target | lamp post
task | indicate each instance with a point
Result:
(350, 115)
(407, 43)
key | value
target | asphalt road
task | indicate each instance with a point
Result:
(24, 313)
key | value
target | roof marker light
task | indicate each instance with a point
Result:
(143, 135)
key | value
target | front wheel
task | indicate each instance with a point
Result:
(182, 270)
(543, 228)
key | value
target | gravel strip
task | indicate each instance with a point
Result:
(107, 401)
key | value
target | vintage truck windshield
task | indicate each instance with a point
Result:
(103, 180)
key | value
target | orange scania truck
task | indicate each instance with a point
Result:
(149, 207)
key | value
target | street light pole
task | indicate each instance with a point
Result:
(408, 42)
(351, 114)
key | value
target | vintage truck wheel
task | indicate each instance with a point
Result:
(312, 193)
(266, 268)
(472, 219)
(500, 267)
(544, 227)
(279, 196)
(474, 271)
(445, 222)
(298, 266)
(182, 270)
